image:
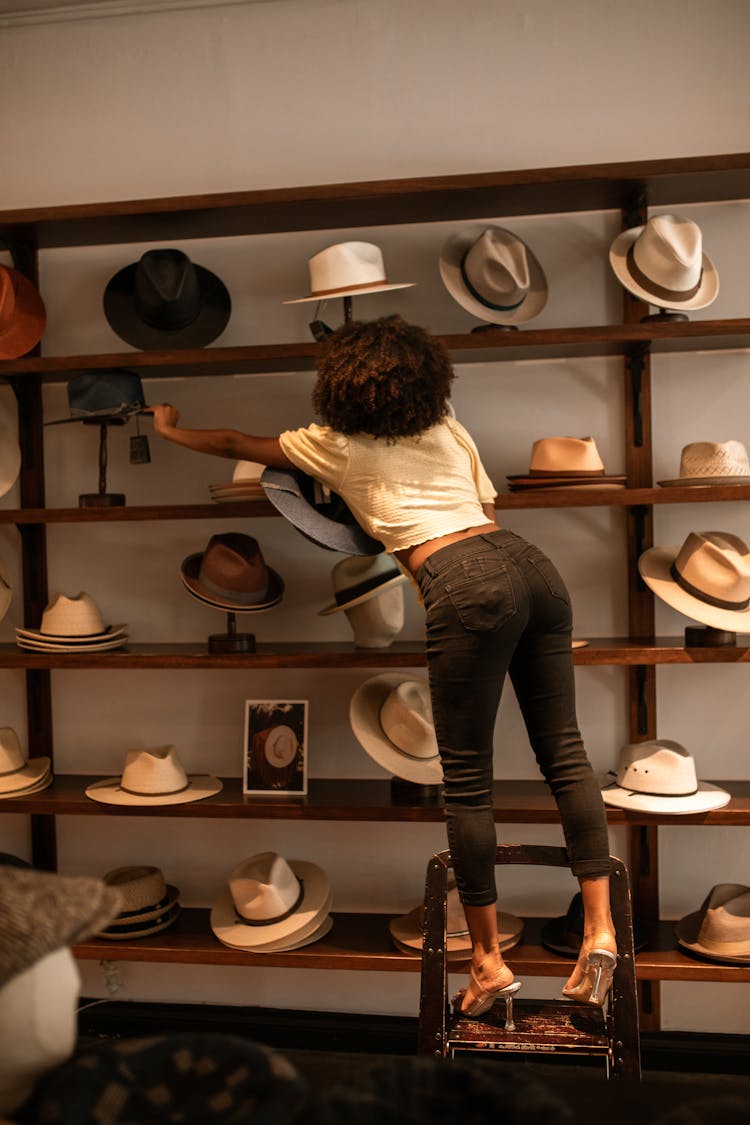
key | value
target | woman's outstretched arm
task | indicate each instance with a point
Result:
(220, 443)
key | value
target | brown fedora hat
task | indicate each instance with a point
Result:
(22, 314)
(232, 574)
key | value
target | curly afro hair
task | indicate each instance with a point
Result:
(382, 377)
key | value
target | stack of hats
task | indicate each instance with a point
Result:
(272, 905)
(319, 514)
(659, 776)
(20, 776)
(407, 931)
(153, 777)
(244, 485)
(564, 462)
(149, 903)
(720, 929)
(711, 462)
(72, 625)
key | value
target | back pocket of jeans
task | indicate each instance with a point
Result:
(482, 594)
(549, 573)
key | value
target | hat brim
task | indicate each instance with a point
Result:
(284, 489)
(121, 314)
(109, 792)
(306, 936)
(316, 903)
(706, 798)
(161, 921)
(406, 931)
(452, 255)
(135, 917)
(687, 931)
(107, 634)
(28, 777)
(349, 291)
(618, 256)
(190, 573)
(364, 717)
(334, 607)
(57, 646)
(29, 320)
(10, 460)
(696, 481)
(6, 596)
(654, 566)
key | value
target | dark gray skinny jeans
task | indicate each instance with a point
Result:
(495, 605)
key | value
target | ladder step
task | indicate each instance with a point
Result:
(540, 1026)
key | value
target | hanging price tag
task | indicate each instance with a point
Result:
(139, 451)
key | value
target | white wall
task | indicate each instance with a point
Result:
(306, 91)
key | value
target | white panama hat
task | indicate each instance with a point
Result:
(347, 269)
(658, 776)
(493, 274)
(662, 262)
(391, 717)
(153, 777)
(707, 578)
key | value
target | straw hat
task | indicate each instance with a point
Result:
(709, 462)
(10, 459)
(271, 902)
(391, 717)
(149, 904)
(153, 777)
(17, 773)
(565, 461)
(720, 929)
(22, 314)
(659, 776)
(347, 268)
(493, 274)
(707, 578)
(6, 596)
(408, 930)
(358, 578)
(663, 263)
(232, 574)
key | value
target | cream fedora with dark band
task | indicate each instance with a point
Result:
(153, 777)
(658, 776)
(493, 274)
(348, 268)
(391, 717)
(707, 578)
(663, 263)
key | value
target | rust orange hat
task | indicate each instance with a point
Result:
(22, 314)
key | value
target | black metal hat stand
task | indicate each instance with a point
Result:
(231, 641)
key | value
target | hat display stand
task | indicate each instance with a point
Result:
(102, 498)
(664, 316)
(412, 793)
(231, 641)
(320, 330)
(705, 636)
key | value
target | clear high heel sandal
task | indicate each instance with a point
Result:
(485, 998)
(596, 981)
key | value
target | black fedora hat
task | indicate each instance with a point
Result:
(322, 516)
(564, 935)
(165, 299)
(102, 396)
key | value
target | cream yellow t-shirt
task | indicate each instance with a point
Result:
(402, 492)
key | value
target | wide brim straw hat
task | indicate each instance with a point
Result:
(18, 773)
(480, 239)
(659, 776)
(360, 578)
(365, 718)
(407, 932)
(708, 462)
(695, 557)
(22, 314)
(720, 929)
(166, 279)
(308, 935)
(149, 903)
(304, 919)
(153, 777)
(347, 269)
(657, 249)
(321, 517)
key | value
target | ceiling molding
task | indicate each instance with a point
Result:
(19, 13)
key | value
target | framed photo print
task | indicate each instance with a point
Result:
(275, 759)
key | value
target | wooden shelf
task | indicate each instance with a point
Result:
(515, 802)
(362, 942)
(334, 654)
(483, 347)
(416, 199)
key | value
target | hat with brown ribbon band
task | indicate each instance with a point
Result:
(232, 574)
(22, 314)
(153, 777)
(720, 929)
(493, 274)
(707, 578)
(346, 269)
(565, 462)
(408, 930)
(662, 262)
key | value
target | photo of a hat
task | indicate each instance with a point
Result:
(103, 396)
(564, 935)
(712, 462)
(321, 515)
(706, 579)
(271, 902)
(662, 262)
(19, 774)
(659, 776)
(720, 928)
(347, 268)
(23, 317)
(153, 777)
(232, 574)
(358, 578)
(42, 912)
(391, 717)
(166, 300)
(149, 903)
(407, 931)
(568, 462)
(493, 274)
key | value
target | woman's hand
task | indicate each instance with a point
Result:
(166, 417)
